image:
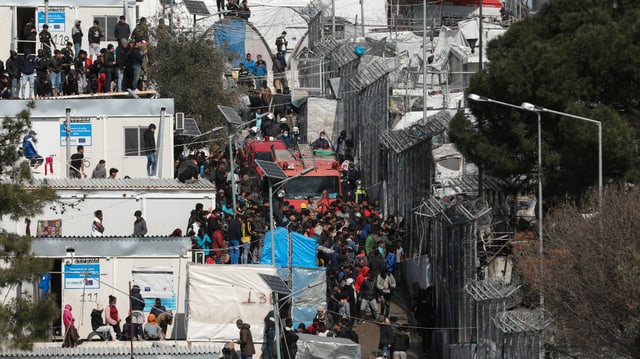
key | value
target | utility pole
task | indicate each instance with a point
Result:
(67, 126)
(424, 60)
(333, 18)
(481, 30)
(362, 16)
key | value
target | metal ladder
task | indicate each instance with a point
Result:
(306, 153)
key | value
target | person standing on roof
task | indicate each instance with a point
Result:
(141, 32)
(122, 29)
(250, 65)
(245, 12)
(234, 233)
(76, 35)
(97, 229)
(139, 225)
(261, 70)
(150, 148)
(233, 9)
(46, 41)
(27, 65)
(95, 36)
(282, 43)
(76, 168)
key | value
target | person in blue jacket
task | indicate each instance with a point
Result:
(30, 152)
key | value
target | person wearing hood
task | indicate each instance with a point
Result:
(368, 296)
(101, 170)
(76, 35)
(13, 69)
(70, 332)
(246, 340)
(29, 33)
(98, 325)
(29, 149)
(67, 317)
(137, 316)
(27, 64)
(188, 170)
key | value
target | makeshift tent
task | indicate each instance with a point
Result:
(218, 295)
(317, 347)
(229, 35)
(304, 249)
(309, 290)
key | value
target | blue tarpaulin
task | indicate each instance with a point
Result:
(229, 35)
(304, 249)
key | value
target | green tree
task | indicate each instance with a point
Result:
(190, 70)
(591, 276)
(23, 319)
(574, 56)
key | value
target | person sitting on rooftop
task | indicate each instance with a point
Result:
(30, 152)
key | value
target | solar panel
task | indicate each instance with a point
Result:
(196, 7)
(275, 283)
(191, 127)
(271, 169)
(231, 115)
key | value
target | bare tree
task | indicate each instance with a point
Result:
(591, 274)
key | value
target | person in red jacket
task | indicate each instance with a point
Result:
(112, 317)
(217, 245)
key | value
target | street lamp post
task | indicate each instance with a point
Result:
(531, 107)
(479, 98)
(203, 134)
(271, 219)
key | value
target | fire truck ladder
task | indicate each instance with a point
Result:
(306, 153)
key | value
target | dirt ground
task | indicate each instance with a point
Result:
(369, 332)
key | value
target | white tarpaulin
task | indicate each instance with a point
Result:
(321, 116)
(446, 39)
(218, 295)
(154, 282)
(375, 11)
(317, 347)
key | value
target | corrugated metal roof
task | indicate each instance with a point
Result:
(119, 350)
(111, 246)
(122, 184)
(53, 109)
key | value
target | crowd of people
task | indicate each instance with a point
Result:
(79, 67)
(360, 246)
(108, 323)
